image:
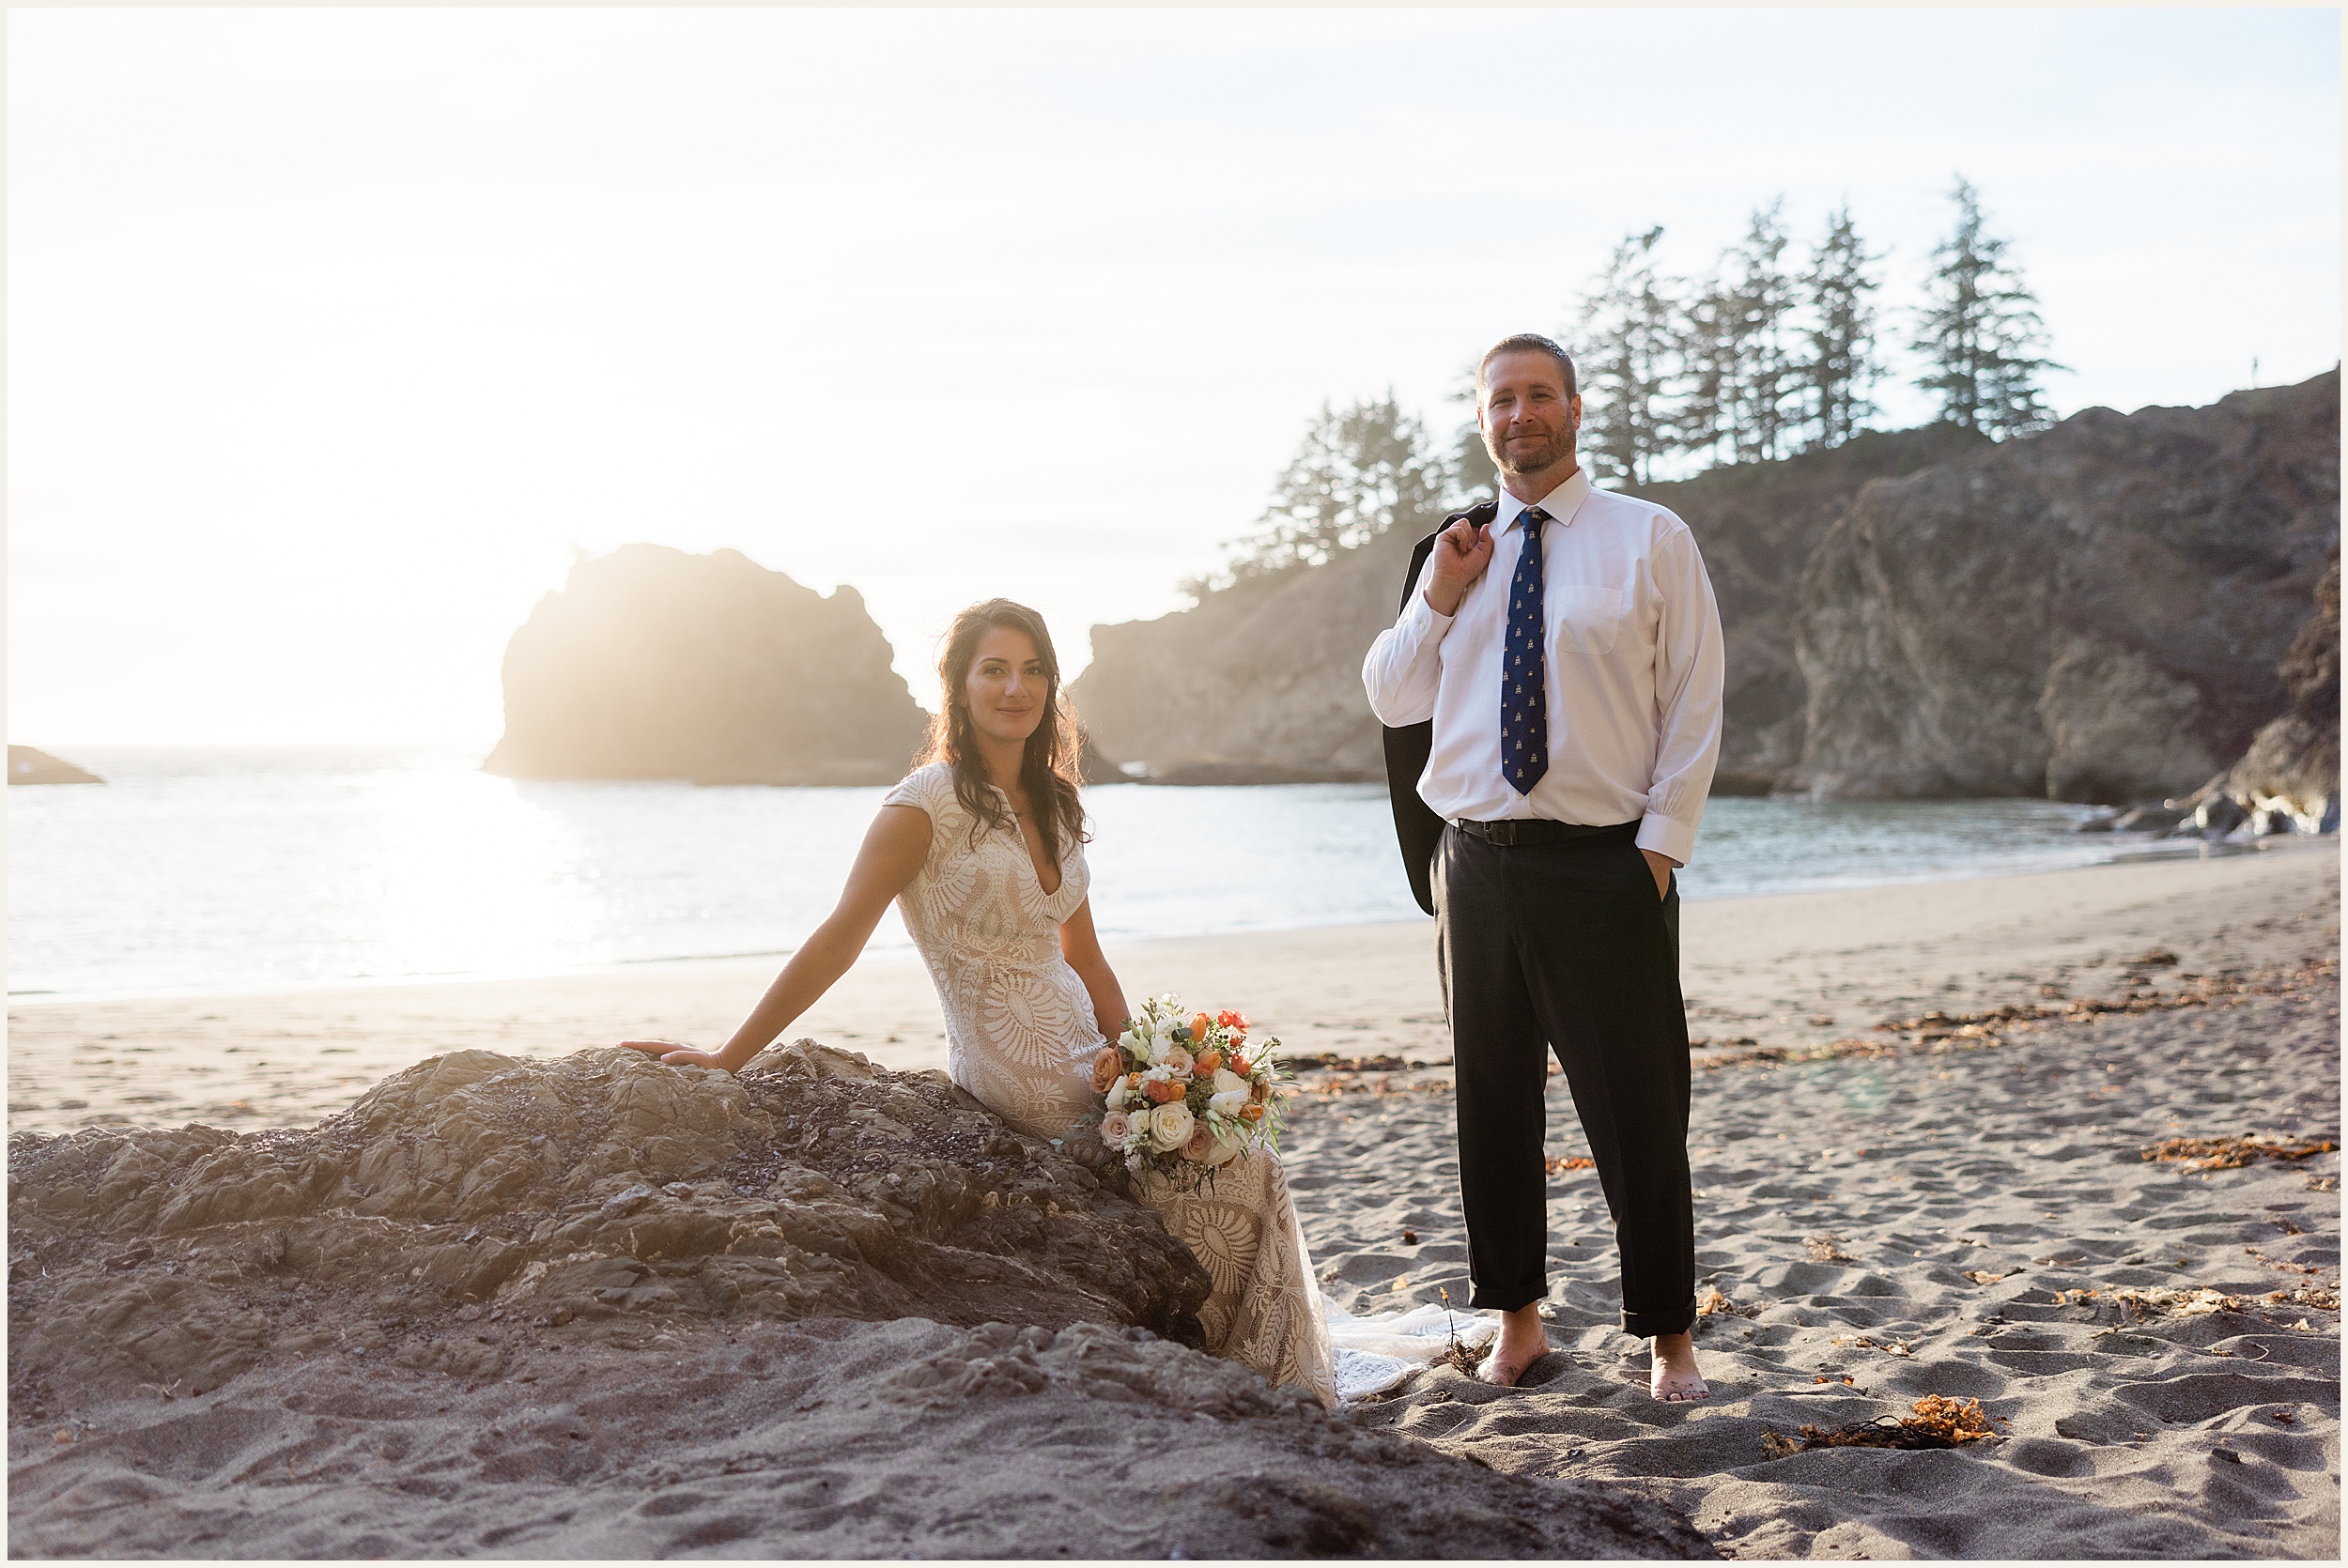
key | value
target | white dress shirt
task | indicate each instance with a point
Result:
(1633, 672)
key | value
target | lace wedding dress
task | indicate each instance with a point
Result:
(1020, 1036)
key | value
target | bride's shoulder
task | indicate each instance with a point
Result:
(930, 789)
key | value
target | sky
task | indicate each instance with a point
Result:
(336, 337)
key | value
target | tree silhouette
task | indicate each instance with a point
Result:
(1760, 300)
(1356, 473)
(1979, 331)
(1838, 365)
(1626, 360)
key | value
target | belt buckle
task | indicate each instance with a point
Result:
(1503, 834)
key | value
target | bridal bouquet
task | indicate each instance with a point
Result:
(1184, 1093)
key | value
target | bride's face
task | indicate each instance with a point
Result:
(1007, 686)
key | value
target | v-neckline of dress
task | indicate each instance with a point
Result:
(1026, 857)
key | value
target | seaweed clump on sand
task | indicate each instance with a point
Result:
(1935, 1422)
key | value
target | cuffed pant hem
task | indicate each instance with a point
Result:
(1646, 1325)
(1486, 1299)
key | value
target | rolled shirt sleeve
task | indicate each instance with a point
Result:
(1689, 668)
(1403, 668)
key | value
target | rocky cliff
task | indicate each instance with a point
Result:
(1262, 680)
(2292, 769)
(651, 663)
(2096, 612)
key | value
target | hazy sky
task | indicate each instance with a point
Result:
(332, 335)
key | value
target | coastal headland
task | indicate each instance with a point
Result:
(1938, 1151)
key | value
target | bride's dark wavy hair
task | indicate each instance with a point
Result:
(1049, 770)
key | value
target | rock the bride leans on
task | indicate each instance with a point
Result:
(1560, 657)
(983, 849)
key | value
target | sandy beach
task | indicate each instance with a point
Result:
(1921, 1126)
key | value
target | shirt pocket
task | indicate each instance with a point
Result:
(1589, 618)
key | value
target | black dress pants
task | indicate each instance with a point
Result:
(1565, 946)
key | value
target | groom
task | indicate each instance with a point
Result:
(1554, 684)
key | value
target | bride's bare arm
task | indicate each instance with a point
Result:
(894, 847)
(1081, 948)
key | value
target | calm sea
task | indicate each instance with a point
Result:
(219, 870)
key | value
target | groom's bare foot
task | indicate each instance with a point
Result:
(1672, 1376)
(1523, 1340)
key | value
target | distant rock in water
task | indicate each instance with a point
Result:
(602, 1188)
(28, 766)
(651, 663)
(2093, 613)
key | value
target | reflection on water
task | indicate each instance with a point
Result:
(225, 871)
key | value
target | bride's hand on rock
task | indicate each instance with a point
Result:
(676, 1054)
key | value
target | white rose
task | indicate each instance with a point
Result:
(1120, 1092)
(1137, 1137)
(1231, 1092)
(1226, 1147)
(1170, 1125)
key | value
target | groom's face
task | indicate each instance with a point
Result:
(1527, 420)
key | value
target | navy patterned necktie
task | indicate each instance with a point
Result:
(1523, 689)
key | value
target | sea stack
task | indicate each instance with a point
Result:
(651, 663)
(28, 766)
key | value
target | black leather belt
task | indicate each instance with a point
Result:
(1534, 830)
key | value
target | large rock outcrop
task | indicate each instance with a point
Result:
(2093, 613)
(1261, 682)
(651, 663)
(598, 1307)
(1264, 675)
(29, 766)
(601, 1187)
(2290, 772)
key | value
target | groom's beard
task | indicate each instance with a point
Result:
(1530, 457)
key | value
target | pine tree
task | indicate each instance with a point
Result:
(1840, 364)
(1708, 349)
(1980, 330)
(1355, 474)
(1760, 300)
(1627, 362)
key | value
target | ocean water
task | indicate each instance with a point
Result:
(224, 870)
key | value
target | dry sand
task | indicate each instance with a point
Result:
(1955, 1208)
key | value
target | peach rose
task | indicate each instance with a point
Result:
(1177, 1062)
(1108, 1066)
(1201, 1141)
(1170, 1127)
(1115, 1129)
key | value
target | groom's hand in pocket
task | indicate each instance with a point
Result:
(1663, 866)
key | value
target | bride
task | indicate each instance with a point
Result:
(983, 849)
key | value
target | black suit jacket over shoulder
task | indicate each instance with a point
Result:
(1416, 828)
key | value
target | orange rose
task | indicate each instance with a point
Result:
(1251, 1113)
(1208, 1062)
(1239, 1065)
(1161, 1092)
(1108, 1066)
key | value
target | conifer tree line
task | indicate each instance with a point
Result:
(1769, 352)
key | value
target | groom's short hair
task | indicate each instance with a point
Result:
(1520, 343)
